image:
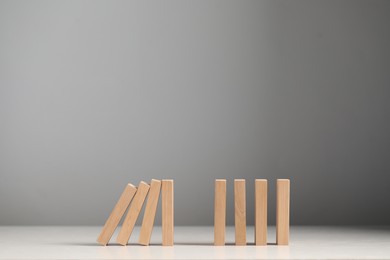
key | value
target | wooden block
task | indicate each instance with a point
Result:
(261, 212)
(240, 212)
(219, 212)
(132, 214)
(150, 212)
(282, 211)
(116, 214)
(167, 212)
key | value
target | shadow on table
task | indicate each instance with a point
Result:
(154, 244)
(99, 245)
(138, 245)
(212, 244)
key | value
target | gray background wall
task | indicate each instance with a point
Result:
(95, 94)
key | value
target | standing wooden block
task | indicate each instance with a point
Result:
(150, 213)
(167, 212)
(116, 214)
(282, 211)
(132, 214)
(219, 212)
(240, 212)
(261, 212)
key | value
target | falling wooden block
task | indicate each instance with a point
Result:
(116, 214)
(261, 212)
(240, 212)
(219, 212)
(132, 214)
(150, 212)
(167, 212)
(282, 211)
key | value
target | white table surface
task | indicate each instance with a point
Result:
(78, 242)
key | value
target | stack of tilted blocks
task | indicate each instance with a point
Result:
(133, 198)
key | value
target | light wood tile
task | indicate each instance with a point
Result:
(116, 214)
(132, 214)
(282, 211)
(150, 212)
(240, 211)
(167, 202)
(220, 212)
(261, 186)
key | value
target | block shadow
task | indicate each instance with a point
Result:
(157, 244)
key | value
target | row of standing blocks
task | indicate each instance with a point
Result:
(133, 198)
(261, 191)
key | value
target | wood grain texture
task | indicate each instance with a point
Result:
(240, 212)
(116, 214)
(167, 212)
(150, 212)
(261, 187)
(282, 211)
(219, 212)
(132, 214)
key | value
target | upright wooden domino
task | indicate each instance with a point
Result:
(167, 212)
(150, 212)
(132, 214)
(116, 214)
(219, 212)
(282, 211)
(261, 212)
(240, 212)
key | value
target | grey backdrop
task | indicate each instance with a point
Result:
(95, 94)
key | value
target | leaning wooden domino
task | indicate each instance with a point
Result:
(116, 214)
(132, 214)
(150, 213)
(240, 212)
(167, 212)
(219, 212)
(282, 211)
